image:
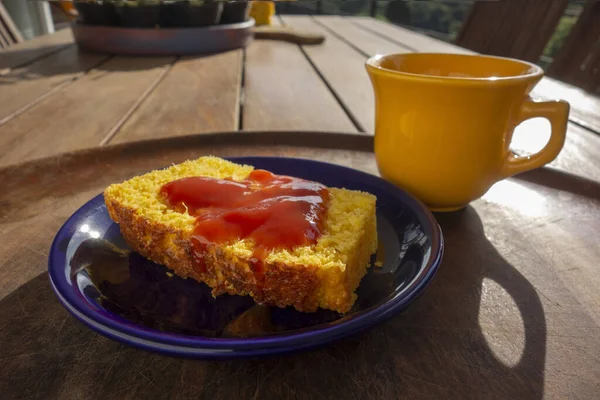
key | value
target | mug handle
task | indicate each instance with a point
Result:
(557, 112)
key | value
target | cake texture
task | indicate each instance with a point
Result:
(325, 274)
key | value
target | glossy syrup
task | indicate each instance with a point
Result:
(273, 211)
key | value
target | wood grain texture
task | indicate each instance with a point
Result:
(199, 94)
(84, 113)
(585, 107)
(282, 91)
(506, 28)
(405, 37)
(362, 39)
(328, 58)
(34, 49)
(511, 313)
(23, 86)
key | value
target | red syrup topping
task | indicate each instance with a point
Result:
(275, 211)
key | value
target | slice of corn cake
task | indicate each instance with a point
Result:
(325, 274)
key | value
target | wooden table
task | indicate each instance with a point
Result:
(514, 311)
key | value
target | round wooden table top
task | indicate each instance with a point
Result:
(512, 313)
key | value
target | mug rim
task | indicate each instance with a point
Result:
(372, 65)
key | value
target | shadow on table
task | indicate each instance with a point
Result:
(27, 56)
(437, 349)
(560, 180)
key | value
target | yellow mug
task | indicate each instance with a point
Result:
(444, 122)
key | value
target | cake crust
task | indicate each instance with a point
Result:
(287, 281)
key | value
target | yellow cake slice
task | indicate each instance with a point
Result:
(325, 274)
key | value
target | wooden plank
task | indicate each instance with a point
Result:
(23, 86)
(282, 91)
(84, 113)
(34, 49)
(585, 108)
(405, 37)
(340, 64)
(365, 41)
(198, 95)
(580, 154)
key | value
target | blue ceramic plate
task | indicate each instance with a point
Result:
(121, 295)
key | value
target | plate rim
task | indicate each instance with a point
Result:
(198, 346)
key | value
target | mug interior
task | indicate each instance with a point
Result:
(455, 66)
